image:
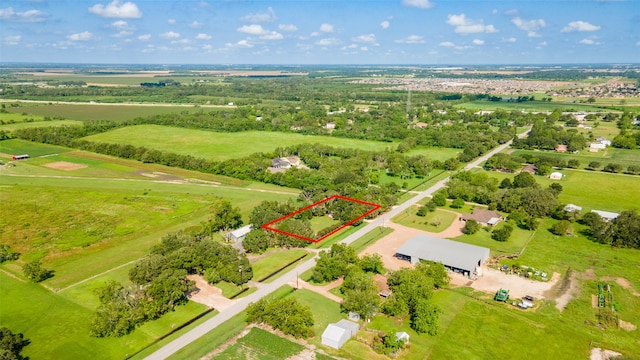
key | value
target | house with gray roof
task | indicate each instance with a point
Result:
(452, 254)
(606, 215)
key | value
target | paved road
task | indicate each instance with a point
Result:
(266, 289)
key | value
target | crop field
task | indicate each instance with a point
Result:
(221, 146)
(260, 344)
(116, 112)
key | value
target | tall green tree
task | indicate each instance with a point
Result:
(224, 217)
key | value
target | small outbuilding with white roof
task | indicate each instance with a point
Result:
(336, 334)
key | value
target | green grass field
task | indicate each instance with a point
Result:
(370, 238)
(42, 316)
(101, 112)
(25, 125)
(273, 261)
(433, 153)
(221, 146)
(623, 157)
(526, 106)
(19, 147)
(425, 223)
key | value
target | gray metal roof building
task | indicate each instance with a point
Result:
(450, 253)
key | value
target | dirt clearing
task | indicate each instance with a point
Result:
(208, 294)
(66, 166)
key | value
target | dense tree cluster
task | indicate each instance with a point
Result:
(11, 345)
(546, 135)
(523, 194)
(6, 254)
(36, 272)
(160, 281)
(334, 263)
(412, 289)
(360, 293)
(624, 231)
(286, 315)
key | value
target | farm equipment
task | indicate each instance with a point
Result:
(502, 295)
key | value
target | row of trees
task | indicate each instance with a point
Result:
(546, 135)
(11, 345)
(623, 231)
(287, 315)
(159, 281)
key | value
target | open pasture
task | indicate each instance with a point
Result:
(33, 124)
(221, 146)
(434, 153)
(436, 221)
(116, 112)
(623, 157)
(526, 106)
(42, 316)
(19, 147)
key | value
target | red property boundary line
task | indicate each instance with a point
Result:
(267, 226)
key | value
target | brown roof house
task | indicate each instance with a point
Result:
(383, 288)
(530, 168)
(561, 148)
(483, 216)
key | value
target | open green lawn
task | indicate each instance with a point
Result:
(325, 311)
(220, 146)
(101, 112)
(19, 147)
(58, 328)
(370, 238)
(513, 245)
(558, 253)
(435, 222)
(526, 106)
(274, 261)
(24, 125)
(434, 153)
(322, 222)
(623, 157)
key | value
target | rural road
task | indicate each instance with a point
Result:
(267, 289)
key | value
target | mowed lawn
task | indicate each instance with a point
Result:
(623, 157)
(221, 146)
(435, 222)
(434, 153)
(59, 328)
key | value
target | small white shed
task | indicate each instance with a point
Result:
(336, 334)
(555, 176)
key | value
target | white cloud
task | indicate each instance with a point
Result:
(467, 26)
(580, 26)
(170, 35)
(544, 43)
(511, 12)
(195, 25)
(207, 47)
(144, 37)
(422, 4)
(328, 42)
(8, 14)
(367, 38)
(253, 29)
(272, 35)
(530, 26)
(181, 41)
(240, 44)
(117, 9)
(411, 39)
(288, 27)
(478, 42)
(326, 28)
(83, 36)
(587, 42)
(269, 16)
(447, 44)
(122, 33)
(510, 40)
(12, 40)
(315, 33)
(122, 25)
(171, 21)
(203, 36)
(385, 24)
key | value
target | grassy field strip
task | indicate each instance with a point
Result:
(174, 182)
(221, 145)
(97, 275)
(370, 238)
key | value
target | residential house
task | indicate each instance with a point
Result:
(383, 288)
(556, 175)
(561, 148)
(572, 208)
(606, 215)
(483, 216)
(530, 168)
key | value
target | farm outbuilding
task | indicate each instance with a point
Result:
(555, 175)
(239, 234)
(452, 254)
(336, 334)
(20, 157)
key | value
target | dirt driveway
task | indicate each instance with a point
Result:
(491, 280)
(209, 295)
(387, 246)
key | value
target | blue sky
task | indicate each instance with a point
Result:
(321, 31)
